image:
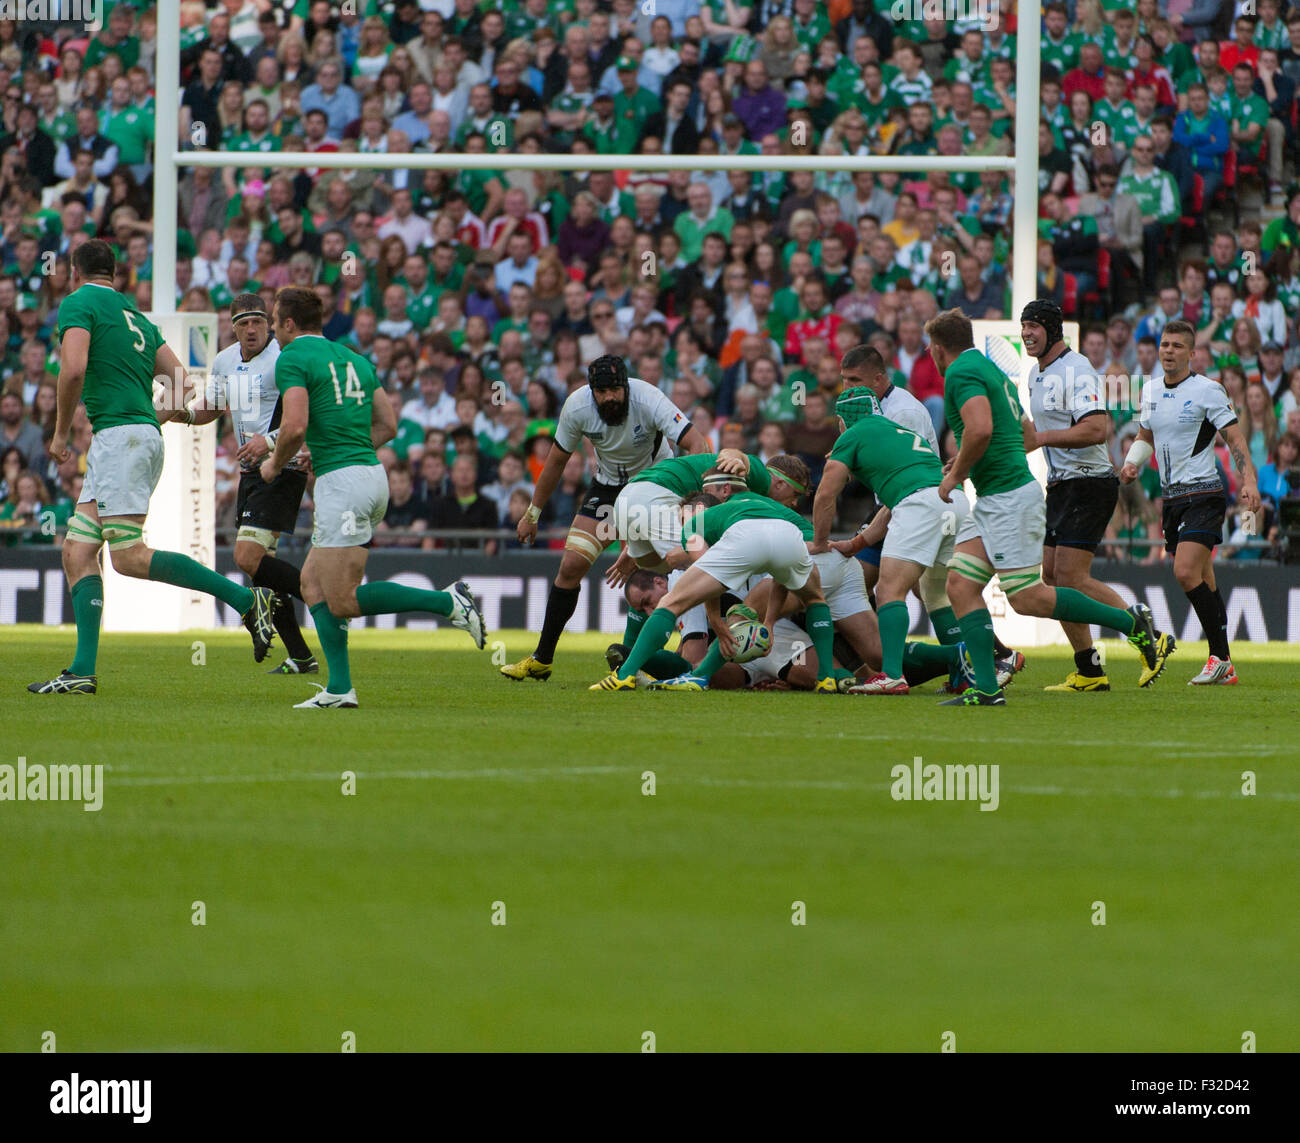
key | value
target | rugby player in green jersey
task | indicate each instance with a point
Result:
(332, 400)
(1004, 532)
(728, 542)
(110, 355)
(899, 466)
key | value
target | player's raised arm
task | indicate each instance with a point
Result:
(383, 420)
(977, 421)
(74, 354)
(547, 482)
(835, 478)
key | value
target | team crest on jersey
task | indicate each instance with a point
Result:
(637, 430)
(1188, 415)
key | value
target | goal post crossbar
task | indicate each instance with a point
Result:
(487, 161)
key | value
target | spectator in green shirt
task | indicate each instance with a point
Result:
(700, 219)
(633, 105)
(115, 40)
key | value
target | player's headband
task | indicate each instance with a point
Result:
(249, 314)
(792, 482)
(718, 479)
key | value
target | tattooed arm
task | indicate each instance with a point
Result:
(1248, 493)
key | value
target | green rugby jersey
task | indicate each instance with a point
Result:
(120, 367)
(1003, 466)
(339, 386)
(713, 522)
(892, 461)
(685, 474)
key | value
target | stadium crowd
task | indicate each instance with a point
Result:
(480, 296)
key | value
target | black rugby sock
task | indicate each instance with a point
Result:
(1209, 610)
(1088, 663)
(282, 578)
(560, 606)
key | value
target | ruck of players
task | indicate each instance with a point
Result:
(711, 546)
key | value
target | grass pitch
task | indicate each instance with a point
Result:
(627, 913)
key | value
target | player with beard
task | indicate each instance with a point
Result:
(631, 425)
(1070, 419)
(242, 382)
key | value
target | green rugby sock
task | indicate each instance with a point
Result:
(667, 665)
(174, 568)
(1075, 607)
(333, 635)
(977, 631)
(653, 636)
(822, 631)
(387, 598)
(930, 655)
(946, 627)
(88, 609)
(894, 622)
(635, 621)
(712, 662)
(922, 662)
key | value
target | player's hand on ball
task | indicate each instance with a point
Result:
(1128, 474)
(726, 640)
(57, 449)
(253, 449)
(526, 530)
(1248, 499)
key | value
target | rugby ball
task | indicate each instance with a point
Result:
(753, 640)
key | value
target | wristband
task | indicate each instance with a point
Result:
(532, 514)
(1139, 453)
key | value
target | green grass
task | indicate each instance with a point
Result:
(627, 913)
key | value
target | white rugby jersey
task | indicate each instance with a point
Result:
(1184, 419)
(652, 425)
(899, 406)
(247, 389)
(1060, 396)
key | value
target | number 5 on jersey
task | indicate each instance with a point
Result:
(351, 385)
(135, 329)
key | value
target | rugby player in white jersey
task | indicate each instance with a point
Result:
(630, 425)
(1181, 414)
(1067, 407)
(242, 382)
